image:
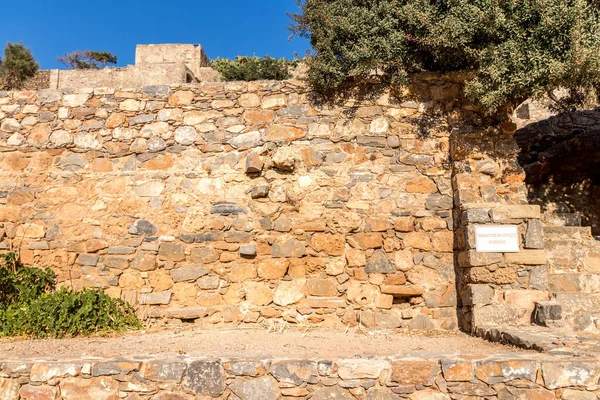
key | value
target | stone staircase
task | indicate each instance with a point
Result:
(574, 273)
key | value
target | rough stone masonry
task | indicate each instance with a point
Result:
(229, 203)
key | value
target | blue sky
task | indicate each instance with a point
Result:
(224, 28)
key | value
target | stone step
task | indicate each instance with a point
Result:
(578, 302)
(580, 310)
(574, 283)
(562, 218)
(568, 232)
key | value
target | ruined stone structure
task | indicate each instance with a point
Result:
(528, 376)
(240, 203)
(155, 64)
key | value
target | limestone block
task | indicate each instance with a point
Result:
(101, 388)
(526, 257)
(534, 237)
(472, 258)
(155, 298)
(477, 294)
(414, 372)
(564, 374)
(508, 213)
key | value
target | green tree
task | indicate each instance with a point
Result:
(87, 59)
(511, 49)
(253, 68)
(17, 66)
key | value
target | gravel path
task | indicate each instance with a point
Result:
(252, 343)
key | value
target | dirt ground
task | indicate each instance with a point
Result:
(255, 343)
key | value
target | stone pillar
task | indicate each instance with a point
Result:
(501, 288)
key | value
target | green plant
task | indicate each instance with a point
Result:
(253, 68)
(87, 59)
(510, 49)
(17, 66)
(29, 305)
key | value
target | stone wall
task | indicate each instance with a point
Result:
(502, 377)
(155, 64)
(489, 189)
(229, 203)
(130, 76)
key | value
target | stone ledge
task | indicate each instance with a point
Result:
(418, 378)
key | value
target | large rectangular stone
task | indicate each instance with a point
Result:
(472, 258)
(155, 298)
(526, 257)
(494, 315)
(534, 238)
(564, 374)
(402, 290)
(509, 213)
(477, 294)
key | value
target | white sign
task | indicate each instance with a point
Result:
(497, 239)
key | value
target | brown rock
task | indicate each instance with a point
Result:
(102, 388)
(501, 276)
(273, 269)
(171, 252)
(283, 133)
(131, 279)
(160, 280)
(290, 292)
(333, 245)
(286, 247)
(443, 241)
(418, 240)
(421, 185)
(115, 120)
(321, 287)
(144, 261)
(457, 371)
(356, 258)
(242, 272)
(402, 290)
(204, 255)
(377, 225)
(258, 293)
(9, 389)
(395, 279)
(254, 163)
(101, 165)
(160, 163)
(369, 240)
(30, 392)
(258, 117)
(413, 372)
(181, 98)
(39, 134)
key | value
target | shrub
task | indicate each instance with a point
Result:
(511, 50)
(253, 68)
(29, 305)
(17, 66)
(87, 59)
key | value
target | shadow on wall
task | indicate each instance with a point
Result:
(561, 158)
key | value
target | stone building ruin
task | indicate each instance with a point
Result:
(155, 64)
(229, 204)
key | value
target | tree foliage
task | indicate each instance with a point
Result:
(87, 59)
(30, 305)
(253, 68)
(511, 49)
(17, 66)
